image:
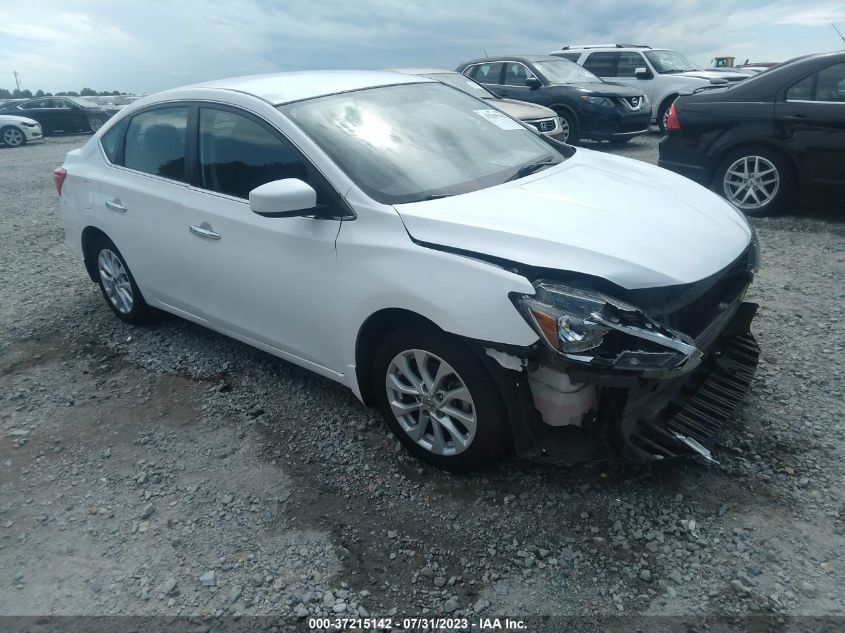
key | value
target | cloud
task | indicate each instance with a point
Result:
(148, 45)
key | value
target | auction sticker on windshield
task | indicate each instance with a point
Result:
(499, 120)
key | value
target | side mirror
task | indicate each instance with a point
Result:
(287, 198)
(533, 83)
(642, 72)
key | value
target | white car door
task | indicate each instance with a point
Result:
(271, 281)
(139, 204)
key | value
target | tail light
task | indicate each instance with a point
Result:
(59, 175)
(672, 121)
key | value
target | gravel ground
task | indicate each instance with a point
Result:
(169, 470)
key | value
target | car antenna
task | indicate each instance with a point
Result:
(838, 31)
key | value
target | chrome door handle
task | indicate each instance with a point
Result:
(115, 205)
(204, 231)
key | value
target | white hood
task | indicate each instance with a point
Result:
(12, 118)
(713, 74)
(634, 224)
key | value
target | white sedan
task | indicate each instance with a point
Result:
(18, 130)
(491, 290)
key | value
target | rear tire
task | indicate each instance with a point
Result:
(96, 123)
(759, 181)
(12, 136)
(117, 283)
(439, 399)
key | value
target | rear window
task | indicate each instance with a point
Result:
(112, 140)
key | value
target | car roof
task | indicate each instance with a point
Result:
(424, 71)
(517, 58)
(279, 88)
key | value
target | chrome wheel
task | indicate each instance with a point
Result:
(12, 137)
(751, 182)
(564, 129)
(115, 281)
(96, 124)
(431, 402)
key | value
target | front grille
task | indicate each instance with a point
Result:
(632, 103)
(543, 125)
(702, 415)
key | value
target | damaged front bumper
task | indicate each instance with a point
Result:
(566, 416)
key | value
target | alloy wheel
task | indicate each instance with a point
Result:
(564, 129)
(12, 137)
(431, 402)
(115, 281)
(751, 182)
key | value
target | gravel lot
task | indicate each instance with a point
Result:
(169, 470)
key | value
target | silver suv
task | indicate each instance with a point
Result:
(662, 74)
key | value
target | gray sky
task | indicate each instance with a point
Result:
(149, 45)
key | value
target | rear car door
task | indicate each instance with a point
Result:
(488, 74)
(39, 110)
(811, 119)
(270, 280)
(139, 205)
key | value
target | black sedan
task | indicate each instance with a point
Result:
(60, 114)
(589, 107)
(759, 142)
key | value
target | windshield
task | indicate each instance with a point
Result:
(414, 142)
(564, 71)
(461, 82)
(668, 62)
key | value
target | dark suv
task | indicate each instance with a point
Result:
(589, 107)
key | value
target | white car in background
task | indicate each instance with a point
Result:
(18, 130)
(662, 74)
(490, 289)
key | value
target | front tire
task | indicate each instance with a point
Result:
(12, 136)
(663, 113)
(439, 399)
(570, 132)
(117, 283)
(757, 180)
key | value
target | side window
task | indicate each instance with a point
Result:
(237, 154)
(801, 91)
(628, 63)
(602, 64)
(31, 105)
(490, 73)
(830, 85)
(111, 142)
(516, 74)
(155, 142)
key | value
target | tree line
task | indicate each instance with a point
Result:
(27, 94)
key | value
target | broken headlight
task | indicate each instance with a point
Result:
(594, 330)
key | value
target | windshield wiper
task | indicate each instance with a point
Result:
(530, 168)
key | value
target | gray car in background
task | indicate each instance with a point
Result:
(539, 117)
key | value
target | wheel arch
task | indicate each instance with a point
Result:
(90, 234)
(371, 332)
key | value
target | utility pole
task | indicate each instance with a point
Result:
(838, 31)
(17, 80)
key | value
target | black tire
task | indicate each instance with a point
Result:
(16, 137)
(139, 312)
(491, 436)
(572, 121)
(786, 191)
(663, 112)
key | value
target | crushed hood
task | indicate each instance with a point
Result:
(634, 224)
